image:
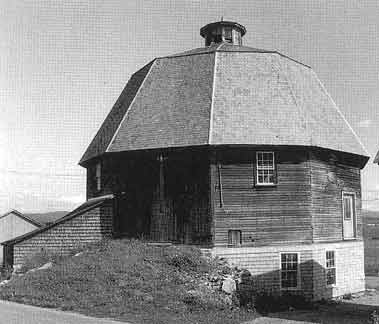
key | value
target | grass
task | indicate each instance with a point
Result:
(132, 281)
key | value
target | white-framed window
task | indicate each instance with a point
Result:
(98, 176)
(289, 271)
(330, 266)
(234, 238)
(265, 168)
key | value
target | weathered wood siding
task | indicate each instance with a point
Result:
(330, 176)
(265, 215)
(88, 227)
(180, 213)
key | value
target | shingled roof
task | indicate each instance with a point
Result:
(224, 94)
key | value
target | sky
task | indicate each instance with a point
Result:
(64, 63)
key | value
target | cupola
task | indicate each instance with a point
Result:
(223, 31)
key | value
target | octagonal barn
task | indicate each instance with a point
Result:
(241, 151)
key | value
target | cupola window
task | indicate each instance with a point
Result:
(228, 35)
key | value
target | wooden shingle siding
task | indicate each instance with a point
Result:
(266, 215)
(89, 227)
(329, 178)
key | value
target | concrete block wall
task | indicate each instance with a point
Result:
(88, 227)
(264, 265)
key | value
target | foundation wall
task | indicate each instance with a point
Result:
(264, 263)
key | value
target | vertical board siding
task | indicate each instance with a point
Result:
(179, 214)
(329, 179)
(266, 215)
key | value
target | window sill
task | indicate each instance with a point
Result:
(265, 185)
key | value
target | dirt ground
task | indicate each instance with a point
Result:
(353, 311)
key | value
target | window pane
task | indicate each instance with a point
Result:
(234, 237)
(331, 276)
(289, 270)
(347, 208)
(228, 34)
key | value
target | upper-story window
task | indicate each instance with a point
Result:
(265, 168)
(98, 176)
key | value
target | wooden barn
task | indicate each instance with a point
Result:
(14, 224)
(242, 152)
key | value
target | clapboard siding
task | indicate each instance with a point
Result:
(265, 215)
(329, 178)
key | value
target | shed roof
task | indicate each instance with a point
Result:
(224, 94)
(88, 205)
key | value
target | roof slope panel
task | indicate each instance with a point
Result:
(254, 103)
(104, 135)
(172, 108)
(327, 127)
(268, 99)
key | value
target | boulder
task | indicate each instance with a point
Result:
(46, 266)
(229, 285)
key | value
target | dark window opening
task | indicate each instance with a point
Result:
(234, 238)
(228, 35)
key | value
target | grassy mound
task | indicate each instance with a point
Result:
(132, 281)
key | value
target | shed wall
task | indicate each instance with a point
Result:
(89, 227)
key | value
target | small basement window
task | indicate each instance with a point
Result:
(330, 268)
(265, 168)
(98, 176)
(234, 238)
(289, 274)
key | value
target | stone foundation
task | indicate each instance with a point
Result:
(264, 264)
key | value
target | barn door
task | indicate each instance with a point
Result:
(348, 211)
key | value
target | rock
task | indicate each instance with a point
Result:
(4, 282)
(16, 269)
(77, 254)
(148, 298)
(229, 286)
(46, 266)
